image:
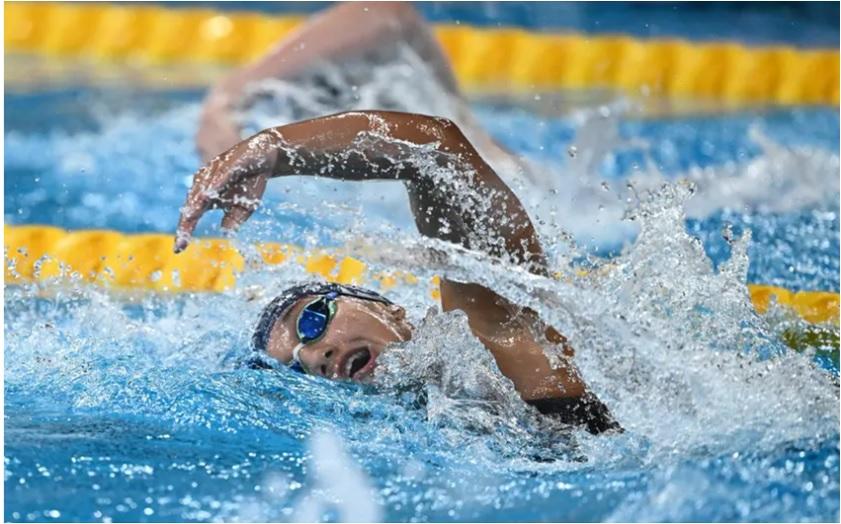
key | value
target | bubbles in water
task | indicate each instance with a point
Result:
(671, 345)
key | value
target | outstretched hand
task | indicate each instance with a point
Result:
(372, 145)
(234, 182)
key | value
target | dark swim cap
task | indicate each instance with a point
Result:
(291, 296)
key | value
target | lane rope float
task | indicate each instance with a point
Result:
(146, 261)
(506, 59)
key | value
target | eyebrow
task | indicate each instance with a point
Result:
(286, 313)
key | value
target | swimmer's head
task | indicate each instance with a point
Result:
(330, 330)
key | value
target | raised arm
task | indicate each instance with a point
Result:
(455, 196)
(454, 193)
(344, 30)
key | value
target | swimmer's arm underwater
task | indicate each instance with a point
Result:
(455, 196)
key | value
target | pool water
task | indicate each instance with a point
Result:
(131, 406)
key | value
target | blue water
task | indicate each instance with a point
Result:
(116, 191)
(131, 409)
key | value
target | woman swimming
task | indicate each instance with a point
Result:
(339, 332)
(329, 65)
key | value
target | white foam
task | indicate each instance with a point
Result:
(337, 483)
(670, 345)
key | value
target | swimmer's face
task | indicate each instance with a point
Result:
(355, 338)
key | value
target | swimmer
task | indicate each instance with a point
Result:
(355, 55)
(339, 332)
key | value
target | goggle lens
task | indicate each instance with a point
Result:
(312, 323)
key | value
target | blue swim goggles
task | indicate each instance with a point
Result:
(312, 322)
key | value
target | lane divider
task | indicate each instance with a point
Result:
(146, 261)
(504, 59)
(35, 253)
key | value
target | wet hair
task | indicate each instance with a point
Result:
(282, 304)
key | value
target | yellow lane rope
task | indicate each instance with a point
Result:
(508, 59)
(146, 261)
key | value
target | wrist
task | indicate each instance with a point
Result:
(280, 158)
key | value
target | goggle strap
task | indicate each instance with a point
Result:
(296, 352)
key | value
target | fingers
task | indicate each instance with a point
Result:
(235, 216)
(198, 201)
(189, 218)
(232, 181)
(239, 202)
(243, 199)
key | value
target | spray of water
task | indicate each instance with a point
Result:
(660, 333)
(671, 345)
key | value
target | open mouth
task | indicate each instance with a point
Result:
(358, 363)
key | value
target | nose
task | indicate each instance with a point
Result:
(318, 361)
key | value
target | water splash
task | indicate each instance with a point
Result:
(142, 392)
(781, 179)
(674, 345)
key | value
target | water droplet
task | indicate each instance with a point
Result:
(727, 232)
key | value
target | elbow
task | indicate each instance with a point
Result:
(450, 135)
(446, 124)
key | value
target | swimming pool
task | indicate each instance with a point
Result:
(130, 406)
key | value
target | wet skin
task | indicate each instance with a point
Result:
(468, 206)
(357, 335)
(327, 146)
